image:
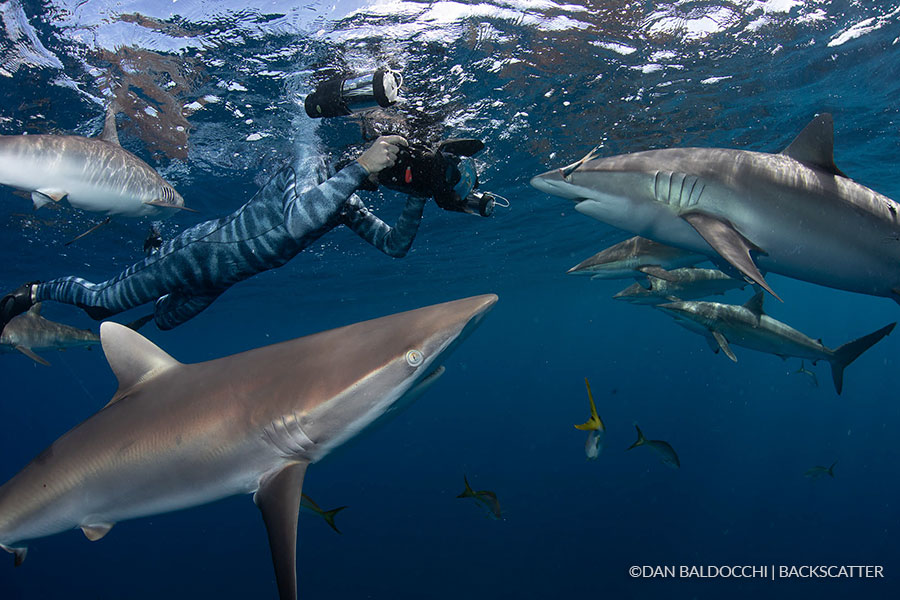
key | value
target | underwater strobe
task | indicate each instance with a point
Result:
(344, 95)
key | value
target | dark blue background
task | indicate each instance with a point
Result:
(503, 413)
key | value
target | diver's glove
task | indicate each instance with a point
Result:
(382, 153)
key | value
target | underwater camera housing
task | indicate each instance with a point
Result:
(444, 173)
(347, 94)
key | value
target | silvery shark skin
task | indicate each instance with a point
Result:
(93, 174)
(792, 213)
(178, 435)
(683, 284)
(29, 332)
(626, 259)
(748, 326)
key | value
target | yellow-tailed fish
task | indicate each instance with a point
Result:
(595, 428)
(486, 498)
(665, 452)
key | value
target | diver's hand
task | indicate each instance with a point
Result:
(382, 153)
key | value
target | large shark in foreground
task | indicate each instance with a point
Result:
(177, 435)
(93, 174)
(750, 327)
(793, 213)
(30, 331)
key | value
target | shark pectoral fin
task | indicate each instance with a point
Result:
(18, 553)
(44, 197)
(96, 531)
(713, 344)
(723, 344)
(656, 271)
(278, 498)
(815, 145)
(164, 204)
(730, 244)
(132, 357)
(30, 354)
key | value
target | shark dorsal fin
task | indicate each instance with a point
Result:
(109, 133)
(815, 145)
(132, 357)
(755, 304)
(35, 309)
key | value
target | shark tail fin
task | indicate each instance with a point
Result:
(640, 441)
(328, 515)
(831, 469)
(850, 351)
(18, 553)
(468, 492)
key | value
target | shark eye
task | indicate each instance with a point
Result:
(414, 358)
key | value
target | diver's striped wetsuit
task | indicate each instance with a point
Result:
(193, 269)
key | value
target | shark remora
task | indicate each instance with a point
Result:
(793, 213)
(177, 435)
(92, 174)
(30, 331)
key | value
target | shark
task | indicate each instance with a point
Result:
(177, 435)
(687, 283)
(92, 174)
(749, 326)
(29, 332)
(793, 213)
(635, 257)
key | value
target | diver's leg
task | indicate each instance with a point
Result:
(174, 309)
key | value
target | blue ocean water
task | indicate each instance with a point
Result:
(541, 82)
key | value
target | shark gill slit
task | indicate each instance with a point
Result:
(287, 436)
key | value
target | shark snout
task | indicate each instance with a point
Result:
(553, 182)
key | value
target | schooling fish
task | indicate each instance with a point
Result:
(485, 498)
(307, 503)
(813, 380)
(750, 327)
(179, 435)
(818, 472)
(595, 428)
(665, 452)
(793, 213)
(30, 331)
(92, 174)
(635, 257)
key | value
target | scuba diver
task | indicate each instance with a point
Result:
(190, 271)
(300, 204)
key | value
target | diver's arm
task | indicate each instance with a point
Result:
(315, 208)
(393, 241)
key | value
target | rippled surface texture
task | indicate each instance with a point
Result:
(212, 95)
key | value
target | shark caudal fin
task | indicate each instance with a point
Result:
(640, 441)
(831, 469)
(850, 351)
(468, 492)
(18, 553)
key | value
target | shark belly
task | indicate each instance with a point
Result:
(771, 341)
(128, 462)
